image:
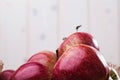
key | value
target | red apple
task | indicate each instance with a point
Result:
(76, 39)
(46, 58)
(31, 71)
(6, 74)
(81, 62)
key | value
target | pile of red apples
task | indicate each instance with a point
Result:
(78, 57)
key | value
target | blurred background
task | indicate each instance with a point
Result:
(30, 26)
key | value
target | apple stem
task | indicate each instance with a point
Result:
(57, 53)
(64, 38)
(78, 27)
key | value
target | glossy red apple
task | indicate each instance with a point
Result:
(31, 71)
(6, 74)
(81, 62)
(47, 58)
(76, 39)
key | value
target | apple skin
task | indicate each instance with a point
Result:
(31, 71)
(47, 58)
(76, 39)
(6, 74)
(81, 62)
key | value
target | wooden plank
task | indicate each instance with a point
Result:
(103, 23)
(12, 38)
(42, 26)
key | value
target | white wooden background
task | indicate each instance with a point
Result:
(29, 26)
